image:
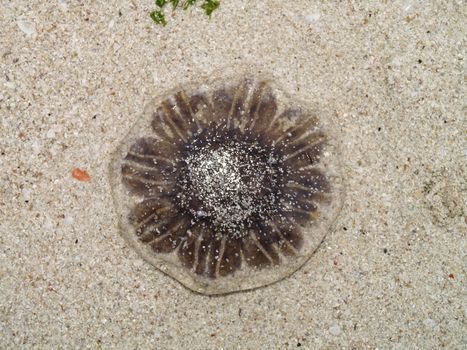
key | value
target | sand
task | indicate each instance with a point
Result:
(390, 275)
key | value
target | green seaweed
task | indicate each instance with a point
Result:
(188, 3)
(209, 6)
(158, 16)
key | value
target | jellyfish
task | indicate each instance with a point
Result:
(228, 186)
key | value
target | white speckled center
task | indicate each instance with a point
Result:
(230, 183)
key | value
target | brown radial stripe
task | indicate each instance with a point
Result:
(231, 259)
(148, 212)
(311, 178)
(238, 113)
(296, 149)
(143, 187)
(254, 105)
(265, 113)
(309, 157)
(149, 151)
(202, 254)
(202, 109)
(254, 254)
(289, 242)
(296, 133)
(163, 171)
(186, 253)
(161, 127)
(269, 240)
(222, 101)
(220, 255)
(149, 176)
(214, 256)
(281, 125)
(172, 118)
(172, 237)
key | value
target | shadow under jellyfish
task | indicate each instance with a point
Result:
(227, 187)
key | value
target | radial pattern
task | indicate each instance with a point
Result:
(225, 180)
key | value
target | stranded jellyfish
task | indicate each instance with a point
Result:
(228, 186)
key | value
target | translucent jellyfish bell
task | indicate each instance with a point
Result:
(227, 187)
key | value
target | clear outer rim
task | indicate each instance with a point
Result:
(248, 278)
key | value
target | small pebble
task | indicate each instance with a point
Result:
(313, 17)
(27, 27)
(430, 323)
(63, 5)
(48, 224)
(26, 194)
(35, 147)
(138, 263)
(68, 219)
(50, 134)
(80, 175)
(335, 329)
(9, 85)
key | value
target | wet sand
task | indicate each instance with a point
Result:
(75, 77)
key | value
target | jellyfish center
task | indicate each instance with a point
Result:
(230, 183)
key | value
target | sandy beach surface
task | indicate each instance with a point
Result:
(74, 77)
